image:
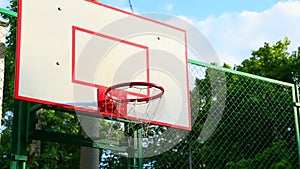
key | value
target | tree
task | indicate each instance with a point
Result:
(257, 128)
(8, 101)
(274, 62)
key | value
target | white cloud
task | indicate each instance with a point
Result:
(189, 20)
(169, 7)
(234, 35)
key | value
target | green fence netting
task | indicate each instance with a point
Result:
(256, 128)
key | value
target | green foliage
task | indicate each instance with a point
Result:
(56, 155)
(5, 149)
(8, 101)
(57, 121)
(257, 127)
(112, 161)
(278, 154)
(10, 60)
(274, 62)
(110, 130)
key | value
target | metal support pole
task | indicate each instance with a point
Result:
(19, 155)
(138, 149)
(296, 114)
(136, 152)
(135, 156)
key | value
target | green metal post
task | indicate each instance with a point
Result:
(19, 156)
(135, 155)
(140, 148)
(296, 114)
(136, 151)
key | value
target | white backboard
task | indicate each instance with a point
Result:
(69, 52)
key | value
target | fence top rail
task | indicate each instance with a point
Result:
(194, 62)
(8, 12)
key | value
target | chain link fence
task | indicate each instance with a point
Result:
(255, 128)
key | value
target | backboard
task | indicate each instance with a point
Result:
(70, 52)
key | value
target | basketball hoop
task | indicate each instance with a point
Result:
(121, 98)
(135, 98)
(134, 92)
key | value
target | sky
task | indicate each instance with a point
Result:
(233, 27)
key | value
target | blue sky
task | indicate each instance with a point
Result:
(233, 27)
(193, 8)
